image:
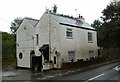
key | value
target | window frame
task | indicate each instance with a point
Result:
(71, 56)
(20, 55)
(69, 33)
(37, 39)
(90, 37)
(91, 53)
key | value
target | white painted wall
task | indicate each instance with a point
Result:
(60, 43)
(79, 43)
(48, 24)
(42, 29)
(25, 41)
(55, 42)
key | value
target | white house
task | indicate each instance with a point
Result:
(53, 40)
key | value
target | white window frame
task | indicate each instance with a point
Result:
(90, 37)
(37, 39)
(69, 33)
(91, 53)
(71, 56)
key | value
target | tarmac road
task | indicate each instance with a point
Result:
(106, 72)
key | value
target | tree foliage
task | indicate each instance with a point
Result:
(55, 8)
(112, 12)
(8, 45)
(111, 18)
(109, 32)
(97, 24)
(15, 24)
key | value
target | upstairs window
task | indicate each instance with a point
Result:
(69, 33)
(37, 39)
(90, 38)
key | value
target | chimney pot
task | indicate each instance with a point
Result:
(81, 18)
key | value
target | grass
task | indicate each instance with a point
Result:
(7, 62)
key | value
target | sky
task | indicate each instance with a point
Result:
(11, 9)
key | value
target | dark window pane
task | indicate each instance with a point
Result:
(54, 60)
(69, 33)
(20, 55)
(37, 41)
(90, 36)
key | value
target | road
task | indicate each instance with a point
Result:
(106, 72)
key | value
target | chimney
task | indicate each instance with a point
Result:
(81, 18)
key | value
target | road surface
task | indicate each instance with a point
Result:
(106, 72)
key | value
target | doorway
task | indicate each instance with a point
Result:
(45, 51)
(32, 54)
(35, 61)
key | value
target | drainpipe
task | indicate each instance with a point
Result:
(49, 35)
(33, 42)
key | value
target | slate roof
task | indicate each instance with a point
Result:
(67, 20)
(33, 22)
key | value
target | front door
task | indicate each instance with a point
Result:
(37, 63)
(32, 54)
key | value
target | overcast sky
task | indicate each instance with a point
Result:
(10, 9)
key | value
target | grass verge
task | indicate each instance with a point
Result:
(7, 62)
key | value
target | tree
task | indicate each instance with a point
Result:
(108, 31)
(111, 26)
(8, 45)
(55, 8)
(15, 24)
(97, 24)
(112, 12)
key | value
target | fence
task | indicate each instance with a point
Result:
(109, 52)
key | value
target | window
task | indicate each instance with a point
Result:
(20, 55)
(71, 56)
(37, 41)
(69, 33)
(91, 53)
(90, 37)
(54, 60)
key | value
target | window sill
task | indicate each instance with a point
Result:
(69, 37)
(90, 41)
